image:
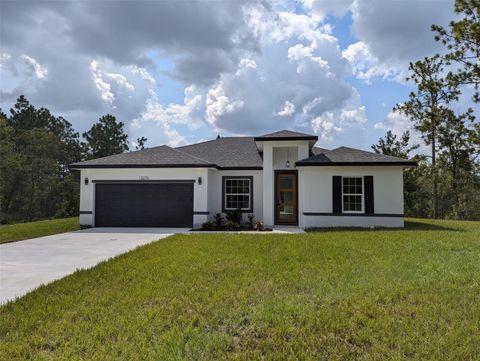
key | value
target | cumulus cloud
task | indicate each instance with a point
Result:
(367, 67)
(287, 111)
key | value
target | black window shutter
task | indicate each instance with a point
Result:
(368, 183)
(337, 194)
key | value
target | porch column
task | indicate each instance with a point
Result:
(268, 184)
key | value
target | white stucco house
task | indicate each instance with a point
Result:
(282, 178)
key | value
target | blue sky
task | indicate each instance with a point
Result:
(182, 72)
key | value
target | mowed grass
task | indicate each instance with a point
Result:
(20, 231)
(327, 295)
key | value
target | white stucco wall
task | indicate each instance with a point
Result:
(316, 183)
(87, 192)
(215, 190)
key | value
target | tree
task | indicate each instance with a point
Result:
(462, 40)
(396, 148)
(427, 105)
(106, 137)
(36, 148)
(454, 140)
(140, 143)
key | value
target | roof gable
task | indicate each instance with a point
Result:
(286, 135)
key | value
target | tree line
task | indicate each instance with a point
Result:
(446, 183)
(35, 150)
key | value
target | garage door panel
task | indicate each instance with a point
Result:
(144, 205)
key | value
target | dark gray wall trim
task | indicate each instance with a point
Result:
(250, 210)
(115, 166)
(353, 214)
(86, 212)
(201, 212)
(239, 168)
(340, 164)
(146, 181)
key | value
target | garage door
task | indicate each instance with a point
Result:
(144, 204)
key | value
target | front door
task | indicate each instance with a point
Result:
(286, 197)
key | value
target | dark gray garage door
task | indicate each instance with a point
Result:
(144, 204)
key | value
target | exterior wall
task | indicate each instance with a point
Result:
(274, 158)
(215, 190)
(316, 183)
(87, 192)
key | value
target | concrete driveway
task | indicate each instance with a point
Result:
(25, 265)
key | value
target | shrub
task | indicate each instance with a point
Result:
(208, 226)
(232, 226)
(259, 226)
(218, 219)
(234, 216)
(251, 217)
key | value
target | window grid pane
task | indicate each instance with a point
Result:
(237, 193)
(352, 194)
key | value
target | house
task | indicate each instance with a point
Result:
(280, 177)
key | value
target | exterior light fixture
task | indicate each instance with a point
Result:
(199, 180)
(86, 181)
(287, 163)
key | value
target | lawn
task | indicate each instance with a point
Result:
(19, 231)
(327, 295)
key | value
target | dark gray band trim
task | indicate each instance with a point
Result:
(353, 214)
(145, 181)
(336, 164)
(87, 166)
(201, 212)
(86, 212)
(239, 168)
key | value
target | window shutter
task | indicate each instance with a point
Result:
(368, 183)
(337, 194)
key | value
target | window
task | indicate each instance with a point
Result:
(352, 194)
(237, 193)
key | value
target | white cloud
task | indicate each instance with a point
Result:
(366, 66)
(40, 71)
(287, 111)
(103, 87)
(219, 104)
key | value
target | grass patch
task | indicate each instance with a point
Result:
(20, 231)
(328, 295)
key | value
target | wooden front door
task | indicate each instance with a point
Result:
(286, 203)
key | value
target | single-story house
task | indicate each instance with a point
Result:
(282, 178)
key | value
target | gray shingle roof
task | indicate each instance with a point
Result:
(162, 156)
(318, 150)
(229, 152)
(285, 135)
(234, 153)
(351, 156)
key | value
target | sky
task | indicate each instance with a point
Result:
(180, 72)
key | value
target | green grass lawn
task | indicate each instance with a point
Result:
(327, 295)
(19, 231)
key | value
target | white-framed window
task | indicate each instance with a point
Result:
(237, 193)
(352, 194)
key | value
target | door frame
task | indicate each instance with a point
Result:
(275, 190)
